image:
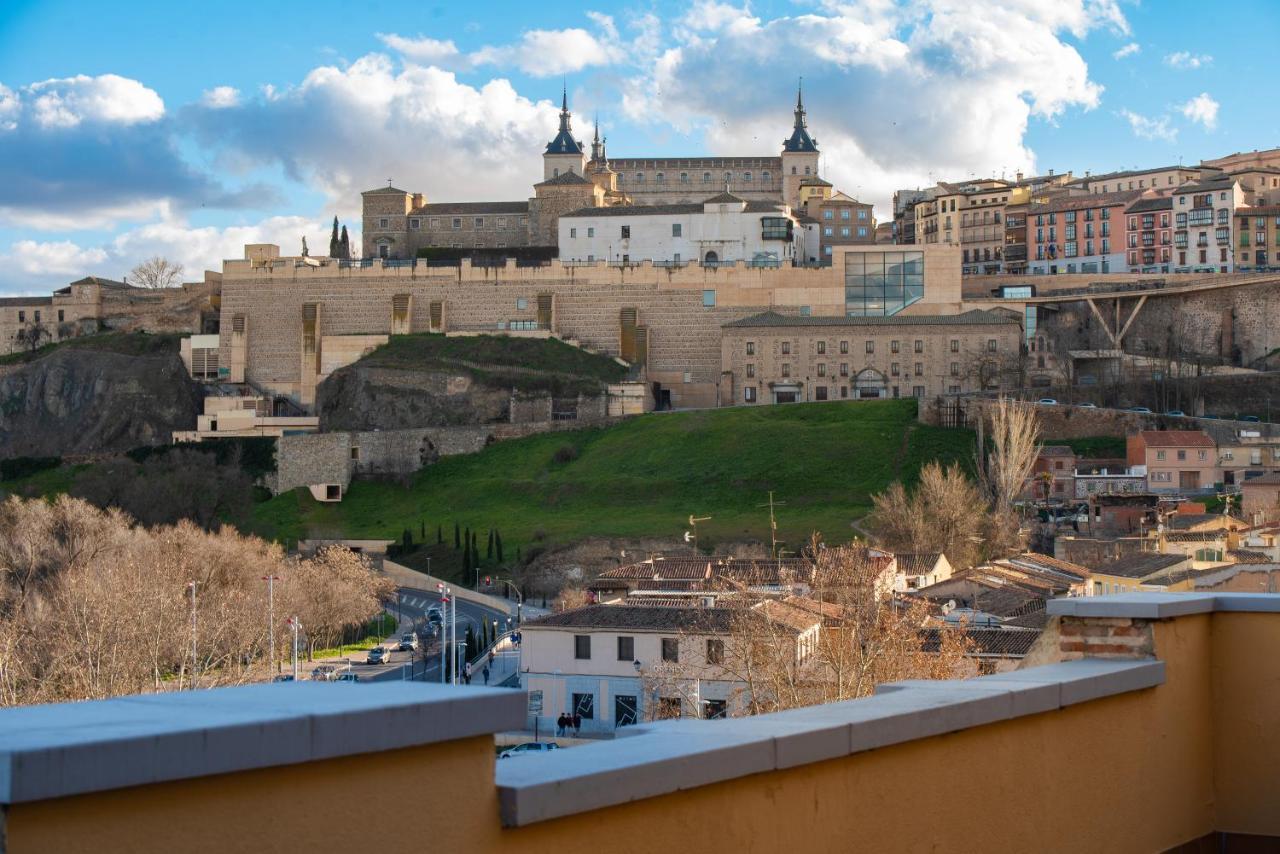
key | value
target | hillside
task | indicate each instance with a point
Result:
(94, 394)
(424, 379)
(647, 475)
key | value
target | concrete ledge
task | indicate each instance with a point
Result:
(66, 749)
(1161, 606)
(670, 756)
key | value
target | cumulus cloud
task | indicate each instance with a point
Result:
(58, 258)
(109, 98)
(9, 108)
(422, 49)
(897, 95)
(1131, 49)
(345, 130)
(220, 96)
(1202, 109)
(1145, 127)
(1187, 61)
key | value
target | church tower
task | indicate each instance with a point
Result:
(564, 153)
(799, 156)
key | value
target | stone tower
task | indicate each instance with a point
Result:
(564, 153)
(799, 156)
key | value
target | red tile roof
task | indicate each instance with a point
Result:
(1176, 439)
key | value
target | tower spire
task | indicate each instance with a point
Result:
(800, 122)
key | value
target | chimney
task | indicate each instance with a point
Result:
(1086, 173)
(1018, 176)
(1050, 173)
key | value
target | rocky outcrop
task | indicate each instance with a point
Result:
(83, 401)
(359, 397)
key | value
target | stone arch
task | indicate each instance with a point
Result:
(711, 258)
(869, 384)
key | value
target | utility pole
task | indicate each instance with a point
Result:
(693, 523)
(444, 608)
(295, 625)
(773, 523)
(191, 585)
(271, 614)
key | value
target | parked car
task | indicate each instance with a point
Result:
(348, 677)
(378, 655)
(528, 747)
(1212, 417)
(330, 672)
(1047, 401)
(1088, 406)
(408, 642)
(434, 616)
(1141, 410)
(283, 677)
(1176, 413)
(1252, 419)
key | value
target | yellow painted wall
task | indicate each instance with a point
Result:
(1142, 771)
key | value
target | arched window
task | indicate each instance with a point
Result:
(684, 177)
(764, 177)
(639, 177)
(728, 178)
(706, 177)
(659, 178)
(711, 259)
(793, 170)
(746, 177)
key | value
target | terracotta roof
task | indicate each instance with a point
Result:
(1248, 556)
(1159, 203)
(672, 567)
(1140, 566)
(664, 210)
(800, 619)
(1176, 439)
(999, 643)
(564, 178)
(638, 618)
(829, 610)
(26, 301)
(1183, 521)
(969, 318)
(725, 198)
(1033, 620)
(917, 563)
(1044, 563)
(1196, 536)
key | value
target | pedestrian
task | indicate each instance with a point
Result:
(577, 722)
(486, 674)
(560, 724)
(491, 658)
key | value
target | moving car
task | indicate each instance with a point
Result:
(1177, 413)
(1088, 406)
(348, 677)
(1252, 419)
(528, 747)
(1141, 410)
(408, 642)
(1047, 401)
(330, 672)
(434, 616)
(378, 655)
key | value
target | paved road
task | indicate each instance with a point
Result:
(412, 606)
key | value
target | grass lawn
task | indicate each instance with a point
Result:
(644, 477)
(124, 343)
(1094, 447)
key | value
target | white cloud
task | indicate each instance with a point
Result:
(547, 53)
(1131, 49)
(1187, 61)
(108, 99)
(1203, 109)
(1145, 127)
(220, 96)
(59, 258)
(345, 130)
(10, 106)
(422, 49)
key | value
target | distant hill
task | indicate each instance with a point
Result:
(646, 476)
(433, 380)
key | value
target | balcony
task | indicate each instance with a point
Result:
(1150, 727)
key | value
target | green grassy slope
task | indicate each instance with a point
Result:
(647, 475)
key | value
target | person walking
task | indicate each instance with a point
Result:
(486, 674)
(560, 724)
(577, 722)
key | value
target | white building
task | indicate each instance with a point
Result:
(725, 229)
(1203, 225)
(616, 665)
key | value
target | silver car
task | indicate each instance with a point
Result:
(378, 655)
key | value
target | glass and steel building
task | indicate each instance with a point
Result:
(881, 284)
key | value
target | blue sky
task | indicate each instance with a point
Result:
(161, 128)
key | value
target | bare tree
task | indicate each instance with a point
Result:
(157, 272)
(944, 513)
(1015, 444)
(33, 336)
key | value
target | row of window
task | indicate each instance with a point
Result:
(895, 369)
(895, 346)
(829, 231)
(626, 648)
(626, 708)
(36, 316)
(1069, 232)
(415, 223)
(845, 214)
(1104, 214)
(822, 392)
(746, 177)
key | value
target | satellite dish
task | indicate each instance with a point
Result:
(949, 607)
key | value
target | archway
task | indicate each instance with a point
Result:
(711, 258)
(869, 384)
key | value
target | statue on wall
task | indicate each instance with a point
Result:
(305, 253)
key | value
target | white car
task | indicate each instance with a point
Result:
(408, 642)
(1088, 406)
(1047, 401)
(527, 748)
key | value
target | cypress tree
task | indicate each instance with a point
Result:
(439, 535)
(457, 537)
(334, 244)
(344, 246)
(497, 542)
(422, 531)
(488, 554)
(472, 649)
(466, 557)
(406, 540)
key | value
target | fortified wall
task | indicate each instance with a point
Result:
(280, 316)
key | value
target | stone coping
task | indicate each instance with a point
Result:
(1161, 606)
(670, 756)
(65, 749)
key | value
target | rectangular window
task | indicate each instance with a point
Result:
(457, 222)
(822, 369)
(786, 348)
(871, 346)
(822, 347)
(955, 345)
(582, 647)
(675, 229)
(992, 345)
(573, 232)
(786, 369)
(844, 346)
(479, 221)
(626, 232)
(919, 346)
(955, 369)
(749, 394)
(626, 648)
(584, 706)
(893, 346)
(671, 649)
(919, 369)
(751, 348)
(917, 391)
(414, 223)
(844, 369)
(591, 231)
(820, 393)
(713, 710)
(382, 223)
(709, 298)
(751, 370)
(893, 369)
(435, 222)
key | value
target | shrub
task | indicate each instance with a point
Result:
(565, 454)
(19, 467)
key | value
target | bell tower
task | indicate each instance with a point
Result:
(799, 155)
(564, 153)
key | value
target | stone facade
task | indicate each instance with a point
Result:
(775, 359)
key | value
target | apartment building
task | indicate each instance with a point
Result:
(1077, 234)
(1052, 474)
(971, 216)
(841, 221)
(1258, 238)
(1260, 184)
(1175, 460)
(1203, 217)
(775, 358)
(1248, 454)
(1148, 235)
(1163, 178)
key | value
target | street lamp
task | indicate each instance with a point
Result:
(191, 585)
(271, 614)
(295, 625)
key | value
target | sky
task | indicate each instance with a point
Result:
(169, 129)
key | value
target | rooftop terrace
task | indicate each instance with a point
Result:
(1152, 726)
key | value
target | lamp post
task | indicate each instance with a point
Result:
(519, 599)
(295, 625)
(271, 614)
(195, 659)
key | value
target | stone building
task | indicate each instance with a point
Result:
(842, 221)
(398, 224)
(775, 358)
(1258, 240)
